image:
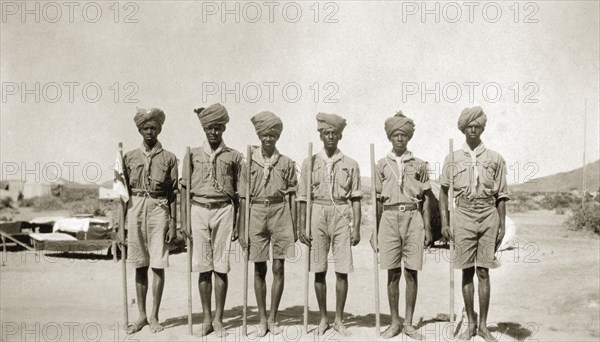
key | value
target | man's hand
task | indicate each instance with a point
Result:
(303, 238)
(428, 237)
(373, 241)
(501, 232)
(447, 233)
(184, 234)
(234, 234)
(172, 232)
(355, 237)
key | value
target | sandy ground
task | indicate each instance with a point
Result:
(546, 290)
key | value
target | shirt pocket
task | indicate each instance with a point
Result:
(134, 170)
(488, 173)
(158, 171)
(225, 170)
(280, 176)
(462, 176)
(345, 178)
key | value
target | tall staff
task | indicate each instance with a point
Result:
(375, 240)
(186, 207)
(123, 244)
(451, 211)
(247, 240)
(308, 219)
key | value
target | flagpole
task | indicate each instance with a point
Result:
(123, 249)
(584, 147)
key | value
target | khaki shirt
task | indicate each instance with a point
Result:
(415, 181)
(161, 177)
(492, 175)
(281, 181)
(344, 182)
(222, 185)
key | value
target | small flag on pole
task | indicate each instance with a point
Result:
(119, 182)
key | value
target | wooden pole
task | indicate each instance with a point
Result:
(375, 256)
(123, 249)
(451, 210)
(247, 238)
(308, 220)
(186, 207)
(584, 147)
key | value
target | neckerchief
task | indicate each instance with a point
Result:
(212, 155)
(475, 172)
(329, 163)
(407, 155)
(148, 155)
(266, 163)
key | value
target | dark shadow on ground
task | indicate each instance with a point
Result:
(512, 329)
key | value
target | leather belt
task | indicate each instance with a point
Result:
(153, 194)
(211, 205)
(401, 207)
(267, 200)
(476, 203)
(326, 201)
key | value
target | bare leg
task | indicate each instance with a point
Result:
(393, 292)
(158, 284)
(321, 292)
(260, 291)
(141, 289)
(221, 282)
(484, 287)
(205, 289)
(341, 293)
(468, 291)
(276, 293)
(412, 285)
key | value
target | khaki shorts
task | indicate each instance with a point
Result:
(271, 223)
(475, 232)
(211, 236)
(400, 239)
(330, 230)
(147, 225)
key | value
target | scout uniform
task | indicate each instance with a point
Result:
(400, 184)
(153, 181)
(335, 181)
(272, 181)
(479, 182)
(213, 191)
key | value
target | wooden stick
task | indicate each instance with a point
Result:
(308, 219)
(186, 207)
(375, 256)
(451, 211)
(123, 249)
(246, 238)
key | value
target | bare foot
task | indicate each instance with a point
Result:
(155, 326)
(468, 333)
(262, 329)
(205, 329)
(274, 328)
(323, 326)
(391, 331)
(486, 334)
(411, 332)
(219, 329)
(137, 326)
(341, 329)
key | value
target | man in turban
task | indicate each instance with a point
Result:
(335, 216)
(214, 184)
(273, 186)
(480, 190)
(403, 192)
(151, 217)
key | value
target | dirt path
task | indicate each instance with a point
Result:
(546, 290)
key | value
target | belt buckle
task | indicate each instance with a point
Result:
(267, 202)
(402, 207)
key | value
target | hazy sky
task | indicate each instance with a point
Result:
(364, 60)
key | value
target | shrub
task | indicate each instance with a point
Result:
(522, 202)
(47, 203)
(585, 217)
(6, 202)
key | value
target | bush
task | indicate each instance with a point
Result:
(521, 202)
(586, 217)
(6, 202)
(89, 206)
(559, 200)
(47, 203)
(78, 194)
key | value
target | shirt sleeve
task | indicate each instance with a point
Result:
(243, 180)
(301, 195)
(378, 179)
(174, 175)
(356, 192)
(500, 180)
(444, 181)
(292, 180)
(424, 176)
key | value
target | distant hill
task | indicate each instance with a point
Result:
(564, 181)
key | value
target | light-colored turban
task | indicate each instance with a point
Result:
(326, 121)
(213, 114)
(144, 115)
(399, 122)
(471, 114)
(265, 122)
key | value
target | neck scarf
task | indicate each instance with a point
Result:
(148, 159)
(474, 171)
(266, 163)
(212, 155)
(329, 163)
(407, 155)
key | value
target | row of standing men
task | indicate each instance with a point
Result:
(277, 216)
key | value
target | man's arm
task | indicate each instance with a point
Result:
(427, 217)
(302, 224)
(293, 205)
(501, 207)
(444, 214)
(356, 215)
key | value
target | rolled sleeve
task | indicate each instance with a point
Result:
(301, 193)
(292, 181)
(356, 192)
(500, 180)
(444, 181)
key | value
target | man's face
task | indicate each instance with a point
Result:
(399, 141)
(150, 131)
(214, 133)
(473, 131)
(330, 138)
(268, 139)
